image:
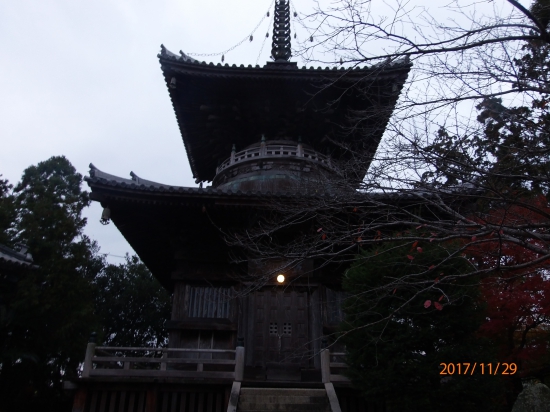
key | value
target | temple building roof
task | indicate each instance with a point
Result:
(335, 111)
(19, 257)
(167, 224)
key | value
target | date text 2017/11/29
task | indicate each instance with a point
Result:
(467, 368)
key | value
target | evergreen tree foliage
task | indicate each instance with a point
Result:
(397, 341)
(50, 312)
(53, 306)
(131, 305)
(7, 212)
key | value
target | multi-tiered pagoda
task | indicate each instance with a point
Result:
(252, 135)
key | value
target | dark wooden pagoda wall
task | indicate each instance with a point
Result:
(280, 324)
(203, 316)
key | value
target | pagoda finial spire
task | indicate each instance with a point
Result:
(281, 51)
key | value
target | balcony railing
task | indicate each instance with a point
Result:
(274, 150)
(122, 362)
(332, 366)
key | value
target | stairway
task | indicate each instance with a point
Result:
(283, 399)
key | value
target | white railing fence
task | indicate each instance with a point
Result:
(163, 362)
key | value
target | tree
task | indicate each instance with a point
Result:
(464, 158)
(53, 305)
(439, 167)
(416, 328)
(131, 305)
(518, 300)
(7, 212)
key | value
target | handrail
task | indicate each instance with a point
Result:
(327, 365)
(274, 150)
(112, 361)
(128, 348)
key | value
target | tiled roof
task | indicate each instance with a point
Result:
(218, 106)
(167, 55)
(14, 257)
(139, 184)
(97, 177)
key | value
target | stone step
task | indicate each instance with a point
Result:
(283, 399)
(283, 391)
(297, 399)
(290, 408)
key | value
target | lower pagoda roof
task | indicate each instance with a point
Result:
(165, 224)
(218, 106)
(178, 231)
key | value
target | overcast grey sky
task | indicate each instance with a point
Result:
(81, 78)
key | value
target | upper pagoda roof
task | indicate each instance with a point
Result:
(217, 106)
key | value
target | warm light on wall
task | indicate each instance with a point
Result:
(281, 278)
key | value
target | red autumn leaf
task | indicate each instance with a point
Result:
(431, 240)
(438, 305)
(440, 298)
(394, 291)
(418, 227)
(359, 239)
(474, 238)
(419, 249)
(427, 304)
(414, 245)
(355, 209)
(431, 267)
(436, 280)
(324, 236)
(318, 230)
(410, 257)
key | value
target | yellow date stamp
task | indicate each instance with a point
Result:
(467, 368)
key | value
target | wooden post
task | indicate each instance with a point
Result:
(79, 402)
(239, 363)
(325, 365)
(151, 400)
(263, 148)
(232, 158)
(90, 352)
(163, 364)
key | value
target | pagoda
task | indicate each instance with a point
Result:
(253, 135)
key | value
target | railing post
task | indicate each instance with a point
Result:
(232, 158)
(239, 360)
(263, 148)
(90, 352)
(325, 363)
(163, 364)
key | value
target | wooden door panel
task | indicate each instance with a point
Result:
(281, 327)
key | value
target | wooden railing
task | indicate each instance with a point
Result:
(274, 150)
(329, 364)
(163, 362)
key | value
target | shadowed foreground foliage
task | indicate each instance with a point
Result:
(48, 313)
(397, 341)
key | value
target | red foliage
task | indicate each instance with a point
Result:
(517, 289)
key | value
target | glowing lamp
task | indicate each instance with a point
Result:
(281, 278)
